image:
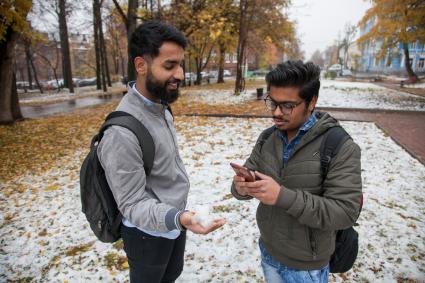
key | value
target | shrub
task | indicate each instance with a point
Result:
(330, 75)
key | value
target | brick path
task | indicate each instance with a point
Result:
(406, 128)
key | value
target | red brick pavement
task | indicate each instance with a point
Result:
(406, 128)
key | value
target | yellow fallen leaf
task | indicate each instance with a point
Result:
(125, 265)
(52, 188)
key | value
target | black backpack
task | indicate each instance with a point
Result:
(98, 203)
(347, 240)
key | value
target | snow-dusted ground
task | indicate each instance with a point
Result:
(44, 235)
(332, 94)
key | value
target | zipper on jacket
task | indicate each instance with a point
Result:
(313, 243)
(175, 147)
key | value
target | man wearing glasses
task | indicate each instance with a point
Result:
(299, 212)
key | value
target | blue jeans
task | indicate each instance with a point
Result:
(276, 272)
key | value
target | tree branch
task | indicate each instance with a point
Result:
(120, 11)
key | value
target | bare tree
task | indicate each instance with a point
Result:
(64, 41)
(130, 21)
(317, 58)
(102, 70)
(246, 12)
(52, 62)
(30, 64)
(348, 40)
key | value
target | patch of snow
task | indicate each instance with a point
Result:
(46, 238)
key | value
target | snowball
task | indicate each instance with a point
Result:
(203, 216)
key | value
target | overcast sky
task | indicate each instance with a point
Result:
(319, 21)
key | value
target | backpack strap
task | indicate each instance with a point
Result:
(265, 135)
(334, 138)
(126, 120)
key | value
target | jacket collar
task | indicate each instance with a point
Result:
(134, 97)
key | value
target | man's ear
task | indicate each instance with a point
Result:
(141, 65)
(312, 104)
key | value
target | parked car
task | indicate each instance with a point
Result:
(22, 84)
(87, 82)
(124, 80)
(335, 67)
(226, 73)
(259, 72)
(189, 76)
(345, 73)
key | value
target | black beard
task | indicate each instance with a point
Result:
(160, 90)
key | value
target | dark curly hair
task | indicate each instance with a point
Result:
(297, 74)
(149, 36)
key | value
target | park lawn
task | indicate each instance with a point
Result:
(45, 237)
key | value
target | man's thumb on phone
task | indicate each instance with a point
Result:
(261, 175)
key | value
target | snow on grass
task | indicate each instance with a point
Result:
(45, 237)
(343, 94)
(332, 94)
(224, 97)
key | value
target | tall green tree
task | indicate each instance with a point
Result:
(13, 21)
(395, 22)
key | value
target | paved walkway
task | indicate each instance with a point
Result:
(396, 86)
(406, 128)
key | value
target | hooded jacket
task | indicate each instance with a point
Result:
(299, 230)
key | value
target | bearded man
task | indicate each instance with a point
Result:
(153, 207)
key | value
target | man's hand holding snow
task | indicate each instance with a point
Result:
(193, 222)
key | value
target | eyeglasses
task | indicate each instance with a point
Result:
(285, 107)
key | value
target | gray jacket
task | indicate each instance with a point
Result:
(152, 202)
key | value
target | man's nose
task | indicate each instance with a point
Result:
(277, 111)
(179, 75)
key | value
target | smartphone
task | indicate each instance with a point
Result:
(244, 172)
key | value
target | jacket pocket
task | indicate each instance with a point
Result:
(321, 243)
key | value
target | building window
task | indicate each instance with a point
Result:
(227, 58)
(421, 63)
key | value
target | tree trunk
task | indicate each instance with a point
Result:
(103, 53)
(220, 78)
(96, 43)
(28, 61)
(9, 103)
(407, 64)
(243, 34)
(159, 14)
(64, 41)
(131, 27)
(34, 71)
